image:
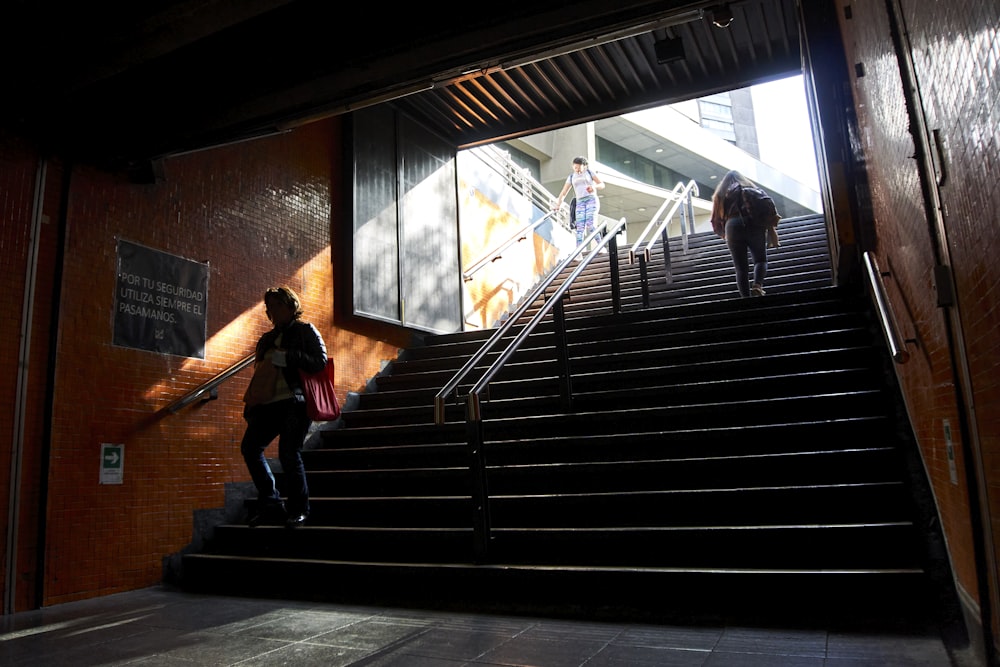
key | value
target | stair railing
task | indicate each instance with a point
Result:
(515, 176)
(496, 253)
(451, 387)
(656, 230)
(886, 315)
(209, 387)
(517, 179)
(473, 413)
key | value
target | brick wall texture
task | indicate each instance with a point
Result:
(955, 53)
(259, 214)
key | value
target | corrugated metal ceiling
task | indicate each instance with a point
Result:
(114, 83)
(618, 76)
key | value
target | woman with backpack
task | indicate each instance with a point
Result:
(741, 215)
(585, 184)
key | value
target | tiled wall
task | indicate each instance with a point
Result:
(259, 214)
(956, 55)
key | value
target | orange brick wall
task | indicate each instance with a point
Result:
(260, 214)
(954, 47)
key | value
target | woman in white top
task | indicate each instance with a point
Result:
(586, 184)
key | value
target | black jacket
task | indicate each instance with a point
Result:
(304, 349)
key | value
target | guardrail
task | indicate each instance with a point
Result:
(497, 253)
(656, 231)
(473, 400)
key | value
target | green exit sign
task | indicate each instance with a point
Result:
(112, 463)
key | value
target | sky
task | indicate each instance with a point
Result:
(783, 131)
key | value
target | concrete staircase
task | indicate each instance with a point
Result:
(721, 457)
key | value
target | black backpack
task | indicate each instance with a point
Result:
(758, 208)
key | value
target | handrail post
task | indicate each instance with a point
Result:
(475, 435)
(616, 288)
(644, 280)
(690, 206)
(668, 272)
(562, 352)
(684, 228)
(687, 216)
(681, 198)
(480, 494)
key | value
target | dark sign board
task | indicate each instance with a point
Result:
(160, 302)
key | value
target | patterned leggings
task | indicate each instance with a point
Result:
(586, 212)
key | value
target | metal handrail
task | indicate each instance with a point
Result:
(482, 524)
(673, 196)
(210, 385)
(501, 163)
(681, 193)
(536, 193)
(493, 255)
(452, 385)
(886, 316)
(473, 412)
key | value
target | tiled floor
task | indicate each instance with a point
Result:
(160, 626)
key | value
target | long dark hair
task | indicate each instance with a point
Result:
(732, 179)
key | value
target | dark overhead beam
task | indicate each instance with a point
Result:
(158, 78)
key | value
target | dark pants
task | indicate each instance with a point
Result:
(286, 420)
(740, 238)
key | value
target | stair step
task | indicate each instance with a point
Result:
(694, 593)
(767, 548)
(717, 453)
(602, 476)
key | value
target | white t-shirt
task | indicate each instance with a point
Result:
(581, 182)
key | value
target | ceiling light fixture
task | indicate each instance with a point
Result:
(722, 16)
